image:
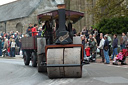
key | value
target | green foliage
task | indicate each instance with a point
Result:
(114, 25)
(108, 9)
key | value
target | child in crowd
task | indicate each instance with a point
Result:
(87, 51)
(13, 45)
(121, 57)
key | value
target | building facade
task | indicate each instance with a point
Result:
(82, 6)
(16, 16)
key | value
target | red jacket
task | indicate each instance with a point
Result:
(87, 50)
(34, 31)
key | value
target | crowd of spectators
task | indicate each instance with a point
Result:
(9, 42)
(107, 46)
(93, 41)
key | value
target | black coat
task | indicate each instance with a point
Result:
(106, 44)
(115, 43)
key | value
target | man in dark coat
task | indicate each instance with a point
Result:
(29, 30)
(115, 46)
(106, 49)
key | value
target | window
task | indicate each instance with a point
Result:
(19, 27)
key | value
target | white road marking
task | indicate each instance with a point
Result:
(118, 66)
(124, 67)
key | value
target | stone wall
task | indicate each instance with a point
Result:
(2, 26)
(11, 24)
(82, 6)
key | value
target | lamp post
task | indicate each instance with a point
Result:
(62, 35)
(5, 25)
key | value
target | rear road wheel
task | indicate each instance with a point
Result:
(26, 58)
(41, 68)
(34, 59)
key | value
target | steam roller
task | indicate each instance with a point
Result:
(60, 56)
(64, 59)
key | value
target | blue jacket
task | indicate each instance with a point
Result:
(115, 43)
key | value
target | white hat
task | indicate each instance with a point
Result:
(106, 36)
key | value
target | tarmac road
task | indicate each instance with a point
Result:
(14, 72)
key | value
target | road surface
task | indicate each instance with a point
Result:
(14, 72)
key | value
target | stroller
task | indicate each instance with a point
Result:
(121, 57)
(93, 57)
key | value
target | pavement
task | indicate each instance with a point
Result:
(14, 72)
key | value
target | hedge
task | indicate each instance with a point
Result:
(114, 25)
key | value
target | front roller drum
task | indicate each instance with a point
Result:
(64, 56)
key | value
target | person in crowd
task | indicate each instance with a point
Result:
(74, 31)
(78, 34)
(86, 43)
(101, 45)
(86, 33)
(70, 30)
(83, 43)
(101, 34)
(115, 46)
(47, 32)
(15, 35)
(94, 37)
(5, 35)
(5, 47)
(84, 30)
(106, 50)
(89, 39)
(95, 32)
(83, 40)
(13, 45)
(17, 43)
(17, 40)
(2, 43)
(0, 46)
(110, 43)
(9, 47)
(29, 30)
(93, 49)
(121, 57)
(34, 30)
(6, 43)
(87, 52)
(56, 25)
(40, 31)
(87, 58)
(91, 30)
(2, 34)
(127, 39)
(123, 41)
(90, 42)
(98, 39)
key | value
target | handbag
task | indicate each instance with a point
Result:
(106, 48)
